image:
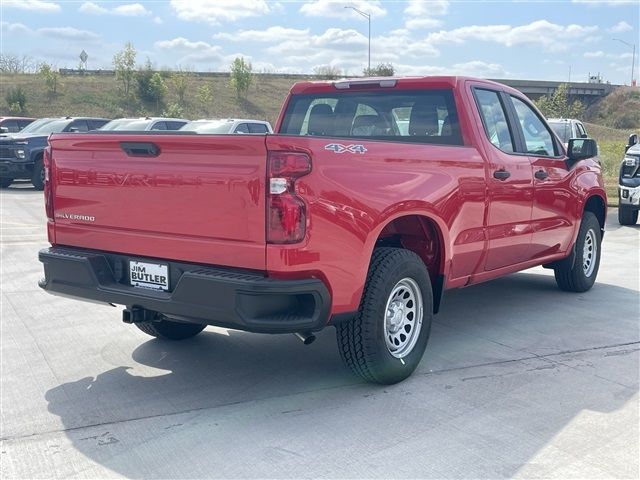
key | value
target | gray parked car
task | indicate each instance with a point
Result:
(145, 124)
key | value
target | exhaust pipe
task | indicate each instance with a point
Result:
(305, 337)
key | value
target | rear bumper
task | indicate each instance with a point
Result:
(213, 296)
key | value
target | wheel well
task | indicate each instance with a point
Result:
(595, 205)
(422, 236)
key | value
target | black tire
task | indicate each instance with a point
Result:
(574, 278)
(362, 343)
(37, 178)
(627, 215)
(170, 330)
(5, 182)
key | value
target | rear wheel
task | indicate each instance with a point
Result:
(170, 330)
(386, 341)
(627, 215)
(37, 178)
(5, 182)
(581, 276)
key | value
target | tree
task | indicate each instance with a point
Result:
(16, 99)
(50, 77)
(10, 63)
(157, 89)
(173, 110)
(179, 83)
(559, 105)
(382, 70)
(204, 94)
(124, 63)
(241, 76)
(151, 85)
(327, 72)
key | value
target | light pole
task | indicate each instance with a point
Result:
(368, 17)
(633, 58)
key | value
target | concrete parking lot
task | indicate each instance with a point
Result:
(519, 380)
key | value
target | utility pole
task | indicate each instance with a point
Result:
(368, 17)
(633, 57)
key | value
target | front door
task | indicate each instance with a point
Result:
(510, 186)
(553, 198)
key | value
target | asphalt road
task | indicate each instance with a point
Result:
(519, 380)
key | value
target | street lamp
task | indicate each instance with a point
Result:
(368, 17)
(633, 58)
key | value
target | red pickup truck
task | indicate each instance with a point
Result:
(373, 198)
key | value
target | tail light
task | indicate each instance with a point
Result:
(286, 211)
(48, 191)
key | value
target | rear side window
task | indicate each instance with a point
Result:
(242, 128)
(427, 116)
(159, 126)
(79, 126)
(257, 128)
(494, 119)
(538, 139)
(175, 125)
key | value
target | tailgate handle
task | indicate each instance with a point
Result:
(140, 149)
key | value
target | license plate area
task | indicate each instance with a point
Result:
(152, 276)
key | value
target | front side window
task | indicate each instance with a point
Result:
(427, 116)
(242, 128)
(494, 119)
(538, 139)
(258, 128)
(78, 126)
(159, 126)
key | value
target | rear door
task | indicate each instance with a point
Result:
(552, 227)
(196, 198)
(510, 184)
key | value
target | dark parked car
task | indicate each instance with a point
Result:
(21, 153)
(629, 183)
(13, 124)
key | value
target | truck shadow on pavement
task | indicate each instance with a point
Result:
(509, 365)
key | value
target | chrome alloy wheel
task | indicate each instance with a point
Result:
(589, 252)
(403, 318)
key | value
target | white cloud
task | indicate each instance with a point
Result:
(127, 10)
(598, 54)
(215, 12)
(17, 28)
(540, 33)
(621, 27)
(32, 5)
(420, 13)
(271, 34)
(475, 68)
(158, 20)
(189, 51)
(68, 33)
(336, 8)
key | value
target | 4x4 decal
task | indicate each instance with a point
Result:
(340, 148)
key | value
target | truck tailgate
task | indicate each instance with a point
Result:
(195, 198)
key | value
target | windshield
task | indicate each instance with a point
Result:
(49, 127)
(562, 129)
(132, 124)
(208, 126)
(34, 127)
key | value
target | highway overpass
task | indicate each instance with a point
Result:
(585, 92)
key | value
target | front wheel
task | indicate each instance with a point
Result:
(386, 341)
(170, 330)
(37, 178)
(581, 276)
(627, 215)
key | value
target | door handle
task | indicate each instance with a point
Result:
(501, 174)
(140, 149)
(541, 175)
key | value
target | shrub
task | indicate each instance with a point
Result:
(50, 77)
(327, 72)
(382, 70)
(174, 110)
(16, 99)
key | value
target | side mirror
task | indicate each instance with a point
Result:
(581, 149)
(633, 139)
(73, 130)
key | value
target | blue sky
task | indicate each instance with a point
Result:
(496, 39)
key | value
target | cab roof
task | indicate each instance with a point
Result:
(390, 83)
